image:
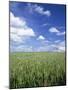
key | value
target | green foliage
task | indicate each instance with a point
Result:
(35, 69)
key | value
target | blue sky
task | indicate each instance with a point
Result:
(36, 27)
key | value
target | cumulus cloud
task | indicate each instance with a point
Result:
(16, 21)
(22, 32)
(41, 38)
(60, 33)
(60, 46)
(55, 30)
(39, 9)
(15, 37)
(19, 29)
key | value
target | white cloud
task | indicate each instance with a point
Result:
(38, 9)
(19, 29)
(41, 10)
(60, 33)
(16, 21)
(46, 24)
(44, 48)
(47, 12)
(15, 38)
(24, 48)
(22, 32)
(53, 47)
(53, 30)
(26, 32)
(57, 41)
(30, 7)
(62, 44)
(40, 37)
(59, 46)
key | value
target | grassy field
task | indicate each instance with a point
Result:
(35, 69)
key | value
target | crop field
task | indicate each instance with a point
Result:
(37, 69)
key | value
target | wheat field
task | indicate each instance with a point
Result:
(37, 69)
